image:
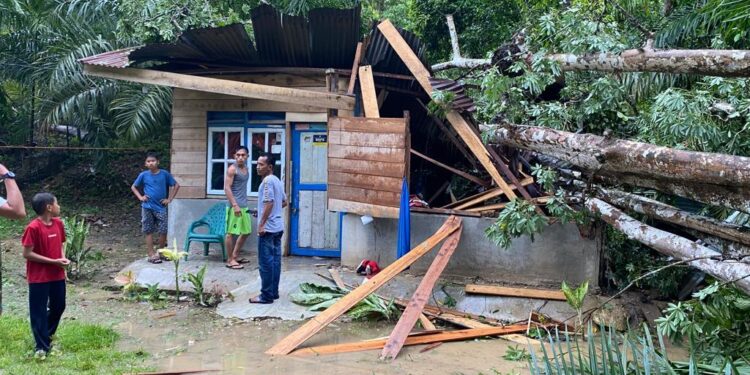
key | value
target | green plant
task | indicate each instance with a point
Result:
(76, 231)
(442, 103)
(174, 256)
(320, 297)
(196, 279)
(517, 219)
(575, 298)
(514, 353)
(152, 294)
(715, 323)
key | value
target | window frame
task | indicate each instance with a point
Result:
(210, 161)
(281, 163)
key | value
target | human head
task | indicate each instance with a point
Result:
(240, 155)
(266, 161)
(152, 160)
(45, 202)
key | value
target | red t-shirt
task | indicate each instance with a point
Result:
(46, 240)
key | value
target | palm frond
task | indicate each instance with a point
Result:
(139, 110)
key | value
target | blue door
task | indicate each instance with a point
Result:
(315, 230)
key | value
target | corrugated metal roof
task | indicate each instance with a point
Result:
(461, 102)
(382, 57)
(327, 38)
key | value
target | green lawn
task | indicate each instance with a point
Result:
(86, 349)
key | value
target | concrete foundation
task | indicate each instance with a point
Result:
(558, 253)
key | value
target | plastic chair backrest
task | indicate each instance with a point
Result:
(216, 218)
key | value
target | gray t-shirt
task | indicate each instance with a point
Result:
(271, 190)
(239, 186)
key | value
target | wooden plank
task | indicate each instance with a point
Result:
(371, 168)
(426, 323)
(464, 200)
(364, 181)
(353, 194)
(358, 208)
(183, 122)
(187, 168)
(369, 97)
(463, 128)
(337, 278)
(332, 228)
(441, 211)
(419, 298)
(195, 180)
(188, 157)
(189, 145)
(191, 192)
(304, 227)
(440, 336)
(367, 139)
(318, 219)
(306, 117)
(495, 193)
(500, 206)
(515, 292)
(187, 134)
(457, 172)
(315, 324)
(355, 69)
(367, 125)
(243, 89)
(383, 154)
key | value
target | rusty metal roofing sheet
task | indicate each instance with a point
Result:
(115, 59)
(461, 102)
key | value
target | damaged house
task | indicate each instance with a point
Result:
(347, 118)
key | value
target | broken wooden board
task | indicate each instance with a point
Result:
(419, 299)
(355, 69)
(444, 336)
(426, 210)
(223, 86)
(315, 324)
(369, 97)
(455, 171)
(337, 278)
(426, 323)
(515, 292)
(491, 194)
(462, 127)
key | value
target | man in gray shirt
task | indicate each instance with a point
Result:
(237, 216)
(271, 200)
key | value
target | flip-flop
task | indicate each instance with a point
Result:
(154, 260)
(235, 266)
(243, 260)
(259, 300)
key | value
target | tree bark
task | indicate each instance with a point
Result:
(608, 155)
(670, 214)
(671, 245)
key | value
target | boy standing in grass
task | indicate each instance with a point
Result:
(156, 196)
(45, 270)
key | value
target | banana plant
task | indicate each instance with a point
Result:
(575, 298)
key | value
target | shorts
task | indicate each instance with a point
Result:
(153, 221)
(238, 225)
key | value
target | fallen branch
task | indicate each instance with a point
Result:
(672, 245)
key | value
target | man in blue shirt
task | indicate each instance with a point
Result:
(154, 198)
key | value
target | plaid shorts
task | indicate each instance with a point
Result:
(153, 221)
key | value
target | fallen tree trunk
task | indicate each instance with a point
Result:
(670, 214)
(672, 245)
(607, 155)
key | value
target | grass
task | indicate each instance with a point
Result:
(86, 349)
(13, 228)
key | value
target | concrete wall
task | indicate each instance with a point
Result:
(559, 253)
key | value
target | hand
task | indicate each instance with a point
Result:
(165, 202)
(143, 198)
(3, 170)
(261, 230)
(62, 262)
(237, 210)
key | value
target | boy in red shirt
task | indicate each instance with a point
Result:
(45, 270)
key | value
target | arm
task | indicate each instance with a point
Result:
(13, 208)
(29, 254)
(141, 197)
(173, 192)
(228, 180)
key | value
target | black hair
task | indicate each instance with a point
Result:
(40, 201)
(270, 160)
(152, 154)
(242, 148)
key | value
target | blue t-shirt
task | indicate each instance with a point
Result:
(156, 186)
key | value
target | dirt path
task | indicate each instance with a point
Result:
(190, 337)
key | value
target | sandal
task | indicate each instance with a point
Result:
(260, 300)
(234, 266)
(154, 260)
(243, 260)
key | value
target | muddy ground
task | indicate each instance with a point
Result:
(184, 336)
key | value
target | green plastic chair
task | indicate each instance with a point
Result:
(215, 220)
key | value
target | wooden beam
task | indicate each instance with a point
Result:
(494, 193)
(337, 278)
(369, 97)
(374, 210)
(315, 324)
(427, 210)
(451, 136)
(449, 168)
(355, 68)
(464, 200)
(462, 127)
(500, 206)
(515, 292)
(442, 336)
(426, 323)
(222, 86)
(419, 299)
